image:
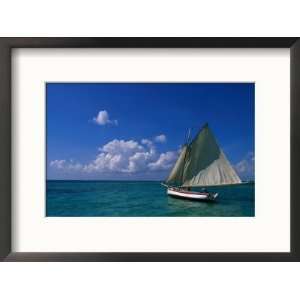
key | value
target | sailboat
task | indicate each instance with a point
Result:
(201, 163)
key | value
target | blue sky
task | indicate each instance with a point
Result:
(134, 131)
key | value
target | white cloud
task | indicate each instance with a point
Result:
(147, 142)
(120, 156)
(103, 119)
(74, 166)
(245, 168)
(160, 138)
(139, 161)
(120, 146)
(66, 165)
(164, 162)
(58, 164)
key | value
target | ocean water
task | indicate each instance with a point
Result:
(141, 199)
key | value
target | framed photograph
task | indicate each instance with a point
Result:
(149, 149)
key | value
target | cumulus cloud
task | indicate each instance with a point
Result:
(160, 138)
(66, 165)
(103, 119)
(164, 162)
(120, 146)
(74, 166)
(147, 142)
(245, 168)
(120, 156)
(58, 164)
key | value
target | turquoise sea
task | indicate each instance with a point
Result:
(67, 198)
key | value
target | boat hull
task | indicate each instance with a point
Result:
(193, 196)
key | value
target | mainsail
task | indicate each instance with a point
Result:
(202, 163)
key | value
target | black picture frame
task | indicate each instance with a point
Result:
(7, 44)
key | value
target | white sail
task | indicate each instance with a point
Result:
(175, 177)
(205, 164)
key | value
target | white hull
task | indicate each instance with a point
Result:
(179, 193)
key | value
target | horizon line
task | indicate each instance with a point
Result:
(243, 181)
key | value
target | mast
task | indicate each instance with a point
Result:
(185, 154)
